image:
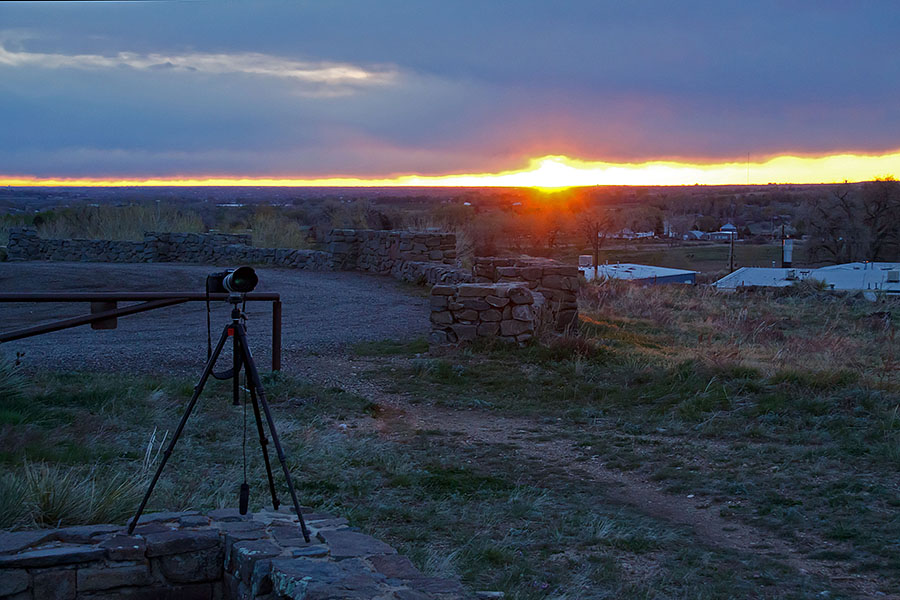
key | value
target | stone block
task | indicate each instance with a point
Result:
(490, 315)
(488, 329)
(348, 544)
(192, 567)
(85, 533)
(532, 273)
(176, 542)
(464, 332)
(442, 317)
(106, 578)
(438, 302)
(466, 315)
(20, 540)
(508, 272)
(522, 312)
(475, 303)
(443, 290)
(51, 557)
(512, 327)
(54, 584)
(472, 289)
(520, 295)
(395, 566)
(435, 255)
(13, 581)
(497, 301)
(124, 547)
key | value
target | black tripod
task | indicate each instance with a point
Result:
(242, 357)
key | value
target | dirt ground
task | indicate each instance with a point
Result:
(322, 313)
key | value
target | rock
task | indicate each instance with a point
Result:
(523, 312)
(13, 581)
(496, 301)
(464, 332)
(442, 318)
(475, 303)
(491, 315)
(443, 290)
(160, 517)
(520, 295)
(54, 584)
(194, 521)
(105, 578)
(20, 540)
(513, 328)
(83, 534)
(347, 544)
(192, 567)
(438, 302)
(488, 329)
(51, 557)
(124, 547)
(177, 542)
(466, 315)
(473, 289)
(314, 551)
(244, 555)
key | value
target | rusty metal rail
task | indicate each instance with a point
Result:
(104, 310)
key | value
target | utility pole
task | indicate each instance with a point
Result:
(731, 253)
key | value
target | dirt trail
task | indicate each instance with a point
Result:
(399, 419)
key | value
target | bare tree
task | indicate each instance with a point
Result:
(596, 226)
(856, 223)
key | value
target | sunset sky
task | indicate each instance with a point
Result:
(363, 91)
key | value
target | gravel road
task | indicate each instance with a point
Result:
(322, 314)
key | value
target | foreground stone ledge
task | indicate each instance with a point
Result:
(218, 556)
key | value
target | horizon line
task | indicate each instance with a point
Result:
(544, 172)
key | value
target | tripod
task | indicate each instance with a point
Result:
(242, 357)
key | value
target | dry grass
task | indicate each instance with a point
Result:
(106, 222)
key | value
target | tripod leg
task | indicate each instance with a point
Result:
(264, 443)
(236, 369)
(253, 375)
(198, 389)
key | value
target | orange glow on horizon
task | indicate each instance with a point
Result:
(550, 172)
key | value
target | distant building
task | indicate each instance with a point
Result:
(645, 274)
(867, 276)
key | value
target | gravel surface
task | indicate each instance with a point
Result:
(322, 314)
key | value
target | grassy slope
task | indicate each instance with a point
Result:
(797, 395)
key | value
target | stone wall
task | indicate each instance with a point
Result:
(558, 283)
(219, 556)
(508, 311)
(419, 257)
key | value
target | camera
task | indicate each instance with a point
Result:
(232, 281)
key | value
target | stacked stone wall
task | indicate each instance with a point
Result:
(558, 283)
(219, 556)
(507, 311)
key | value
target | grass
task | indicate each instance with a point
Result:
(781, 407)
(780, 411)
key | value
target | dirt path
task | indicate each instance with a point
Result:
(399, 419)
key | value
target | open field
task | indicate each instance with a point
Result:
(684, 445)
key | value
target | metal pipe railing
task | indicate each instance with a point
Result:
(150, 301)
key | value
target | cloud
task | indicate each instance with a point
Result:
(314, 77)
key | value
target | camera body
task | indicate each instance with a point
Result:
(232, 281)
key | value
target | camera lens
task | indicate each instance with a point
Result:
(241, 280)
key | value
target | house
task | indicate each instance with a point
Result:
(644, 274)
(859, 276)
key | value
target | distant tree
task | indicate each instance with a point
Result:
(596, 226)
(856, 223)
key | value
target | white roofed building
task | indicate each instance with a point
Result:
(645, 274)
(865, 276)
